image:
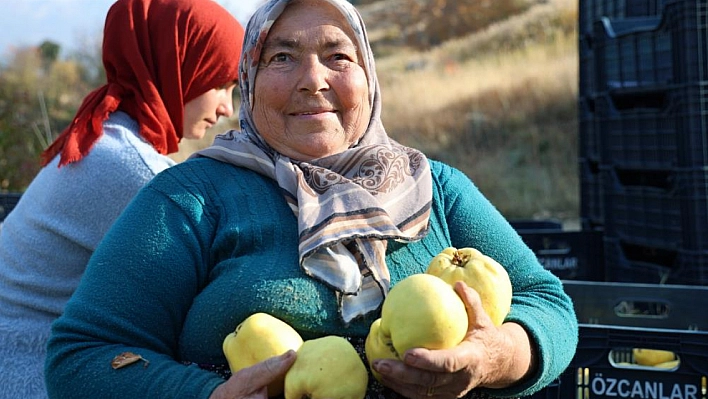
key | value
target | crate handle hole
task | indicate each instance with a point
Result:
(650, 309)
(639, 99)
(644, 359)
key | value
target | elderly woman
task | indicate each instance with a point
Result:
(310, 213)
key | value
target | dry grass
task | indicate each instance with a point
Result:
(437, 101)
(499, 105)
(188, 147)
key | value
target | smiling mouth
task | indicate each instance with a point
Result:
(316, 111)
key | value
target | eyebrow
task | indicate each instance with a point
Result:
(294, 44)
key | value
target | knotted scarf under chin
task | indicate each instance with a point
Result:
(347, 206)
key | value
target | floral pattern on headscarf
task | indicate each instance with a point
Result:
(348, 204)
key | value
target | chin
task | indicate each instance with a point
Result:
(194, 135)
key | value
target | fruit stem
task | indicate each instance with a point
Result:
(458, 259)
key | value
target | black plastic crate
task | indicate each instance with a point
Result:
(661, 209)
(568, 254)
(640, 207)
(652, 52)
(661, 129)
(630, 262)
(614, 319)
(589, 11)
(638, 131)
(633, 53)
(628, 304)
(595, 371)
(592, 211)
(7, 203)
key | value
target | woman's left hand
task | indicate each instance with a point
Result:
(485, 358)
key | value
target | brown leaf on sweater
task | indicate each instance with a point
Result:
(126, 359)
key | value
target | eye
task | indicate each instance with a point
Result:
(341, 57)
(342, 60)
(342, 53)
(279, 57)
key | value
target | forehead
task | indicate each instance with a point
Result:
(301, 17)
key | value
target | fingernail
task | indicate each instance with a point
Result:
(381, 367)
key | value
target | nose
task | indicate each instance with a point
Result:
(313, 75)
(226, 105)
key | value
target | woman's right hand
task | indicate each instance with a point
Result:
(252, 382)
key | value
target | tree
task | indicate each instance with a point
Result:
(49, 52)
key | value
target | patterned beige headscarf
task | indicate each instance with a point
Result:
(347, 205)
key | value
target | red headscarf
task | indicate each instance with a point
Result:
(158, 55)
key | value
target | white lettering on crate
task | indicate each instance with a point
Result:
(636, 389)
(563, 263)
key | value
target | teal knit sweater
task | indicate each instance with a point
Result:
(205, 244)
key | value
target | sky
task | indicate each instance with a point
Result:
(70, 22)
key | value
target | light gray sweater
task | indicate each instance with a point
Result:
(46, 242)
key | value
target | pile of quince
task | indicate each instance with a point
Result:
(422, 310)
(319, 362)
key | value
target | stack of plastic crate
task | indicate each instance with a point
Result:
(644, 136)
(589, 12)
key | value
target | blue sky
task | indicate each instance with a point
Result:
(69, 22)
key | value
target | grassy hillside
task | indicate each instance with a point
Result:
(499, 104)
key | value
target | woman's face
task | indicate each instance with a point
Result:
(311, 96)
(202, 112)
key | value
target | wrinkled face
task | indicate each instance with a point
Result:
(202, 112)
(311, 92)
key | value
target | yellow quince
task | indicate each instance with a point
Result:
(420, 311)
(479, 271)
(259, 337)
(652, 357)
(327, 368)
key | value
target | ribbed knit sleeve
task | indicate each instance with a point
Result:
(134, 297)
